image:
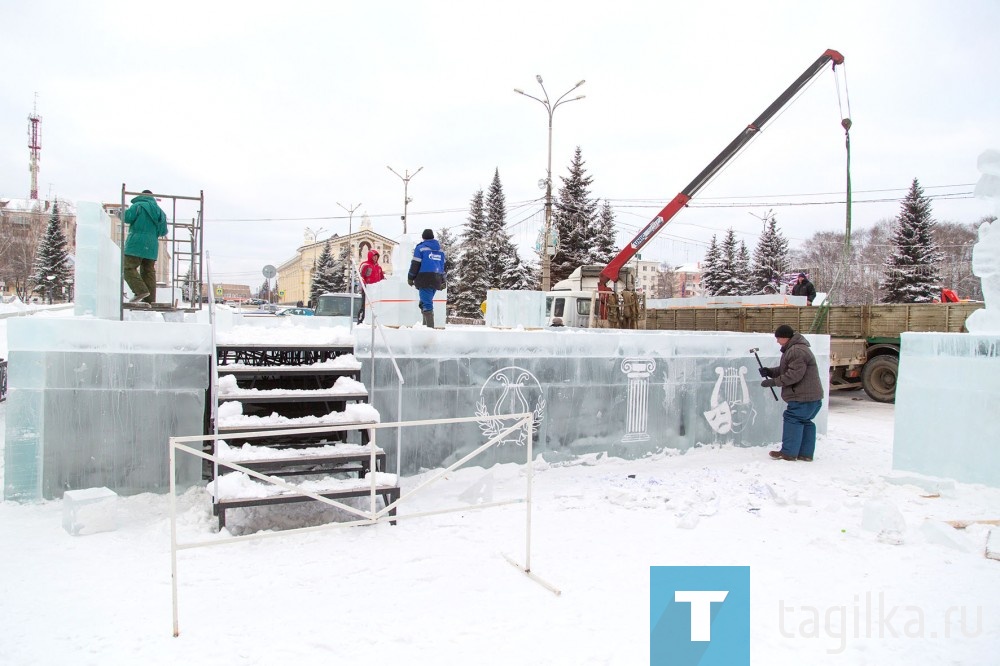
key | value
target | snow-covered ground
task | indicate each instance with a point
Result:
(440, 590)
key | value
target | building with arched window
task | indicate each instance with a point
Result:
(295, 274)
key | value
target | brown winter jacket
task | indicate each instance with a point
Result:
(797, 375)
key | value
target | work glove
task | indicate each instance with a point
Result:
(768, 382)
(409, 281)
(764, 372)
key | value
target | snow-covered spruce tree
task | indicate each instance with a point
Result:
(322, 274)
(340, 272)
(910, 272)
(726, 275)
(770, 259)
(602, 247)
(574, 217)
(742, 273)
(710, 268)
(467, 289)
(503, 264)
(447, 241)
(51, 271)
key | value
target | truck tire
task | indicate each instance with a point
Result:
(879, 378)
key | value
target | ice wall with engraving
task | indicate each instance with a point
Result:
(624, 393)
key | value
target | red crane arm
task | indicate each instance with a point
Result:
(610, 272)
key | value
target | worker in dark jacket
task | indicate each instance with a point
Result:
(427, 273)
(803, 287)
(146, 224)
(801, 389)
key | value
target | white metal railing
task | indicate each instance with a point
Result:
(370, 517)
(375, 324)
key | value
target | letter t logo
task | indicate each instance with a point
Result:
(701, 610)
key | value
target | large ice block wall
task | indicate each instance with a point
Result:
(947, 422)
(92, 403)
(98, 277)
(626, 393)
(510, 309)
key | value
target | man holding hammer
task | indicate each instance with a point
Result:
(798, 377)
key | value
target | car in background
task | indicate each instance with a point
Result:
(304, 312)
(338, 305)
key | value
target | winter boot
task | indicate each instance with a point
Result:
(428, 318)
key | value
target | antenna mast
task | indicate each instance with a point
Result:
(34, 146)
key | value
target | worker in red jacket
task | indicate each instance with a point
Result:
(371, 273)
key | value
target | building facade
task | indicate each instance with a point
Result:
(295, 274)
(687, 280)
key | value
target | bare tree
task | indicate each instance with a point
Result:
(664, 287)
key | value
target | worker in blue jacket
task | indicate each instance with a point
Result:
(146, 224)
(427, 273)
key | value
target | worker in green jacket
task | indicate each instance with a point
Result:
(146, 224)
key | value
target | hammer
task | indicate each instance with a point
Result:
(754, 352)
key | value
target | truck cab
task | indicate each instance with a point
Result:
(569, 308)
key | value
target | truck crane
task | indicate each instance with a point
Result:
(609, 275)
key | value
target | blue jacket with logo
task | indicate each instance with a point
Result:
(427, 267)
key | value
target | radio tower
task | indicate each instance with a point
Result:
(34, 146)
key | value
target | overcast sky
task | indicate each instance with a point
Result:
(279, 111)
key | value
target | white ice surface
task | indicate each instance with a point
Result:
(597, 528)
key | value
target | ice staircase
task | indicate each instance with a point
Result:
(286, 388)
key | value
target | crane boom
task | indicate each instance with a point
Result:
(610, 272)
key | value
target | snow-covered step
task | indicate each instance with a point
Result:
(241, 490)
(344, 389)
(266, 354)
(326, 458)
(232, 419)
(343, 365)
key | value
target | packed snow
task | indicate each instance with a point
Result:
(851, 563)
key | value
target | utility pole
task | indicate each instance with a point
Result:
(406, 184)
(550, 109)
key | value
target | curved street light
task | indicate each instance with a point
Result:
(550, 108)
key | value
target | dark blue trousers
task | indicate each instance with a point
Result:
(798, 436)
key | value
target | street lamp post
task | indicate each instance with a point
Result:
(406, 185)
(550, 108)
(350, 252)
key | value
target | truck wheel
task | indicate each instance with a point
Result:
(879, 378)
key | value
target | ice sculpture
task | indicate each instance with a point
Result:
(98, 276)
(956, 375)
(396, 303)
(986, 252)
